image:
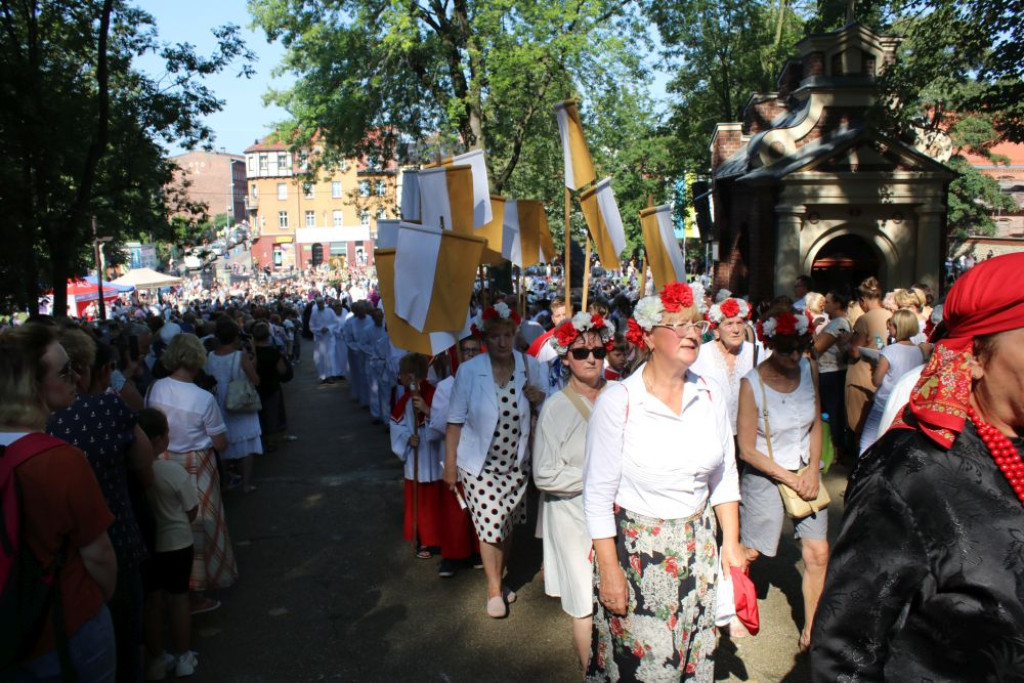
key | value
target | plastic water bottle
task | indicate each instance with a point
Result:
(879, 344)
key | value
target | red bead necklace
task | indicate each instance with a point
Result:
(1003, 452)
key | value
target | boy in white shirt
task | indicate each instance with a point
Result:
(174, 502)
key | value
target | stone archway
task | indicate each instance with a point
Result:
(844, 260)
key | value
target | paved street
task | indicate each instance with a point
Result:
(329, 591)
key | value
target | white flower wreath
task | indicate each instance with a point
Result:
(649, 312)
(582, 322)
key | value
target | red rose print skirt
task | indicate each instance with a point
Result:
(668, 632)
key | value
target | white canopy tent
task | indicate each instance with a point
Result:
(147, 278)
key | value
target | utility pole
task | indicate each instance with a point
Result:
(97, 243)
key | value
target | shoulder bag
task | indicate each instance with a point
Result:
(796, 507)
(242, 396)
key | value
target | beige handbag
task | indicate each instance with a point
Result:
(796, 507)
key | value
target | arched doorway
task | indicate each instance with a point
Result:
(843, 262)
(317, 256)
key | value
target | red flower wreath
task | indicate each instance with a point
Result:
(729, 308)
(566, 333)
(635, 335)
(675, 296)
(785, 324)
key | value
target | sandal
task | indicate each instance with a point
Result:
(496, 607)
(423, 553)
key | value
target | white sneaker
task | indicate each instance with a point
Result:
(186, 663)
(160, 667)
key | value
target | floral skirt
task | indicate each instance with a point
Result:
(213, 560)
(668, 632)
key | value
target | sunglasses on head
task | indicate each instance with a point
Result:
(581, 353)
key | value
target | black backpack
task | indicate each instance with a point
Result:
(29, 593)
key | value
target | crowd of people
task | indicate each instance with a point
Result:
(670, 434)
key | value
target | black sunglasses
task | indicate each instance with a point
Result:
(581, 353)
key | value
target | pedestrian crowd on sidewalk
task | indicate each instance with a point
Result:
(670, 433)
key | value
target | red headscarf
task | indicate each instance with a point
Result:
(987, 299)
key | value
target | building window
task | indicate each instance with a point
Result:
(364, 217)
(372, 162)
(252, 162)
(304, 161)
(364, 188)
(336, 189)
(380, 188)
(255, 192)
(283, 160)
(282, 220)
(282, 191)
(264, 162)
(381, 213)
(311, 219)
(307, 190)
(336, 218)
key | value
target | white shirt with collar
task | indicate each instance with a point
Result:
(474, 405)
(653, 462)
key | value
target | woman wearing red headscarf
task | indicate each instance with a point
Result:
(926, 581)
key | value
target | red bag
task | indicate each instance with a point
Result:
(745, 596)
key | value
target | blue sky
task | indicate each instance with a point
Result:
(244, 116)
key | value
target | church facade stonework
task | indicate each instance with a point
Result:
(807, 183)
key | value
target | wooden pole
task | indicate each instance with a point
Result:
(414, 390)
(586, 275)
(643, 259)
(568, 247)
(483, 285)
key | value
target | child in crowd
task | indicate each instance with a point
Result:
(175, 503)
(410, 442)
(615, 361)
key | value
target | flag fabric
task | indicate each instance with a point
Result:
(402, 334)
(579, 168)
(446, 194)
(663, 254)
(527, 237)
(410, 195)
(482, 210)
(493, 232)
(605, 223)
(434, 277)
(387, 233)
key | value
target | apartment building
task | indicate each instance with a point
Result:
(298, 220)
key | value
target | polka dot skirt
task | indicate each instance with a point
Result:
(497, 497)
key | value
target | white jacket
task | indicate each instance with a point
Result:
(474, 405)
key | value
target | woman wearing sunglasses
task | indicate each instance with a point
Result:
(582, 344)
(785, 388)
(659, 458)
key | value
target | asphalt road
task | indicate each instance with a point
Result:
(329, 591)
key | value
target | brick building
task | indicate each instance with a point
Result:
(1009, 235)
(332, 218)
(805, 184)
(216, 179)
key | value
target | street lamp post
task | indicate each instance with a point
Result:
(97, 242)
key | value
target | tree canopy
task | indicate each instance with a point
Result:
(81, 130)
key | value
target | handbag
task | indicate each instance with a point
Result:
(242, 396)
(796, 507)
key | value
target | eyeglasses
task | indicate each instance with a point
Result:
(66, 372)
(470, 350)
(581, 352)
(683, 329)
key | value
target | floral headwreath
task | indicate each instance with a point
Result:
(571, 330)
(499, 311)
(651, 310)
(730, 308)
(785, 323)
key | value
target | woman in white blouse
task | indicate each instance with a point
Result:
(785, 387)
(659, 457)
(558, 449)
(728, 358)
